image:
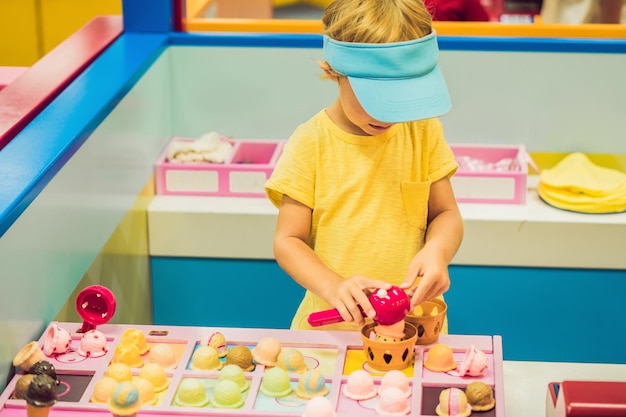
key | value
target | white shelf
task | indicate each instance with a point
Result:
(533, 234)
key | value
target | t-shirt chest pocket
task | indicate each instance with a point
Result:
(415, 197)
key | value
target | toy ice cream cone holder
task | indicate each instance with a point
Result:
(387, 355)
(428, 320)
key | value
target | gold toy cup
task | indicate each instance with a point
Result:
(388, 356)
(428, 326)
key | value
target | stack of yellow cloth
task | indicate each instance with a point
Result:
(577, 184)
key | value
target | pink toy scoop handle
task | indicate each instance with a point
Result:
(322, 318)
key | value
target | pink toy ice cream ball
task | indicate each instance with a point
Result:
(360, 386)
(474, 362)
(453, 403)
(397, 379)
(319, 407)
(392, 401)
(56, 340)
(93, 344)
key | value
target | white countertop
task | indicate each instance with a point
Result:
(532, 234)
(526, 383)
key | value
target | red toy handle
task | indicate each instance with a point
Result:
(322, 318)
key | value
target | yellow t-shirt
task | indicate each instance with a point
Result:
(369, 196)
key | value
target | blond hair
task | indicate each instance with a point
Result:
(376, 21)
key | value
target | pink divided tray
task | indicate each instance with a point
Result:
(479, 181)
(243, 175)
(334, 354)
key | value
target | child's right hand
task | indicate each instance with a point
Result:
(352, 292)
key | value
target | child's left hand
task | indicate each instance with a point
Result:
(430, 267)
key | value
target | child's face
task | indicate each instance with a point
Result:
(357, 119)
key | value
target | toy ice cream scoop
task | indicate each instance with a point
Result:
(147, 395)
(292, 361)
(127, 354)
(266, 351)
(216, 340)
(27, 356)
(21, 386)
(391, 306)
(311, 384)
(360, 386)
(226, 394)
(44, 367)
(391, 333)
(480, 396)
(453, 403)
(155, 373)
(474, 362)
(104, 388)
(93, 344)
(440, 358)
(125, 400)
(276, 383)
(205, 358)
(319, 407)
(163, 354)
(56, 340)
(137, 338)
(392, 402)
(397, 379)
(40, 395)
(191, 393)
(241, 356)
(235, 374)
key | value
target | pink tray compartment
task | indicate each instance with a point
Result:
(491, 186)
(243, 175)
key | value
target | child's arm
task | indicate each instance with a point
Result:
(295, 256)
(443, 238)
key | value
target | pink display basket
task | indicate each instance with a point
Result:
(506, 185)
(242, 175)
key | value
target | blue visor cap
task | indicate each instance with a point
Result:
(394, 82)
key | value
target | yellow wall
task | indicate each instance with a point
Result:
(31, 28)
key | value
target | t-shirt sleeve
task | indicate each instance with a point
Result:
(442, 162)
(294, 173)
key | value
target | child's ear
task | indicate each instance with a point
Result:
(328, 71)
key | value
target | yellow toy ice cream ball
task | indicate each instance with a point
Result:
(216, 340)
(191, 393)
(119, 371)
(440, 358)
(125, 401)
(205, 358)
(276, 383)
(155, 373)
(147, 395)
(163, 354)
(104, 388)
(235, 374)
(227, 394)
(127, 354)
(137, 338)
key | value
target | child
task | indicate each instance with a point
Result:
(363, 187)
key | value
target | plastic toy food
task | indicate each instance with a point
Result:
(21, 386)
(27, 356)
(205, 358)
(319, 407)
(391, 306)
(390, 333)
(242, 357)
(292, 361)
(40, 395)
(311, 384)
(56, 340)
(44, 367)
(104, 388)
(360, 386)
(93, 344)
(440, 358)
(119, 372)
(216, 340)
(137, 338)
(191, 393)
(480, 396)
(125, 400)
(276, 383)
(453, 403)
(164, 355)
(128, 355)
(226, 394)
(235, 374)
(474, 362)
(266, 351)
(392, 401)
(155, 373)
(147, 395)
(397, 379)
